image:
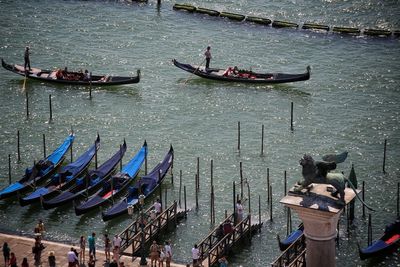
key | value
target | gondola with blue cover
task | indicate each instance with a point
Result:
(145, 185)
(39, 172)
(284, 244)
(389, 241)
(87, 184)
(63, 179)
(115, 186)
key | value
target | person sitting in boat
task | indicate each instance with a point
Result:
(86, 76)
(235, 70)
(105, 78)
(59, 74)
(228, 72)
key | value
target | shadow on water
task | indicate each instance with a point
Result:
(284, 88)
(31, 211)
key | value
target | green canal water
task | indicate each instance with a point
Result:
(350, 103)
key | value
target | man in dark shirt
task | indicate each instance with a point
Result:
(26, 58)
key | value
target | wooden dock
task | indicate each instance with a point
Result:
(132, 235)
(294, 255)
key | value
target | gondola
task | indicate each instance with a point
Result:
(145, 185)
(242, 76)
(70, 78)
(116, 185)
(39, 172)
(64, 178)
(388, 242)
(87, 184)
(284, 244)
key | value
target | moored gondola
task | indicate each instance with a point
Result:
(39, 172)
(243, 76)
(87, 184)
(284, 244)
(70, 78)
(144, 186)
(64, 178)
(387, 243)
(116, 185)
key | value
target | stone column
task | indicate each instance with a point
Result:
(320, 215)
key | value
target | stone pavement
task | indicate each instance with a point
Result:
(22, 247)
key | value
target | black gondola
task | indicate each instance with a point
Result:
(243, 76)
(70, 78)
(388, 242)
(88, 184)
(145, 185)
(284, 244)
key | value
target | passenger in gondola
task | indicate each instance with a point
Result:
(235, 70)
(228, 72)
(59, 74)
(86, 76)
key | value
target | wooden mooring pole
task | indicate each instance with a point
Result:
(238, 144)
(270, 203)
(363, 198)
(398, 199)
(267, 185)
(9, 169)
(241, 180)
(184, 198)
(384, 157)
(259, 213)
(234, 202)
(369, 230)
(212, 173)
(51, 109)
(284, 183)
(262, 140)
(291, 116)
(198, 173)
(44, 146)
(18, 147)
(180, 187)
(27, 104)
(197, 194)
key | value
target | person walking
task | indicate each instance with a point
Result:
(6, 253)
(157, 206)
(195, 255)
(24, 262)
(72, 258)
(37, 250)
(13, 260)
(92, 245)
(27, 59)
(52, 259)
(117, 244)
(107, 247)
(161, 258)
(82, 245)
(168, 254)
(154, 256)
(208, 56)
(239, 211)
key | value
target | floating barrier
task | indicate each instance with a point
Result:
(313, 26)
(376, 32)
(284, 24)
(258, 20)
(207, 11)
(185, 7)
(346, 30)
(232, 16)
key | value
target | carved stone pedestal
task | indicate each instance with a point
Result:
(320, 215)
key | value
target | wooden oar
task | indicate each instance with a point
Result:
(194, 71)
(23, 86)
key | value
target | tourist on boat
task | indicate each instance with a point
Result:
(26, 59)
(86, 76)
(208, 57)
(228, 72)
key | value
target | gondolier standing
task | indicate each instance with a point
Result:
(208, 56)
(26, 58)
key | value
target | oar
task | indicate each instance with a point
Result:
(194, 71)
(23, 86)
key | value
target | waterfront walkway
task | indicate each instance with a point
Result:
(22, 247)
